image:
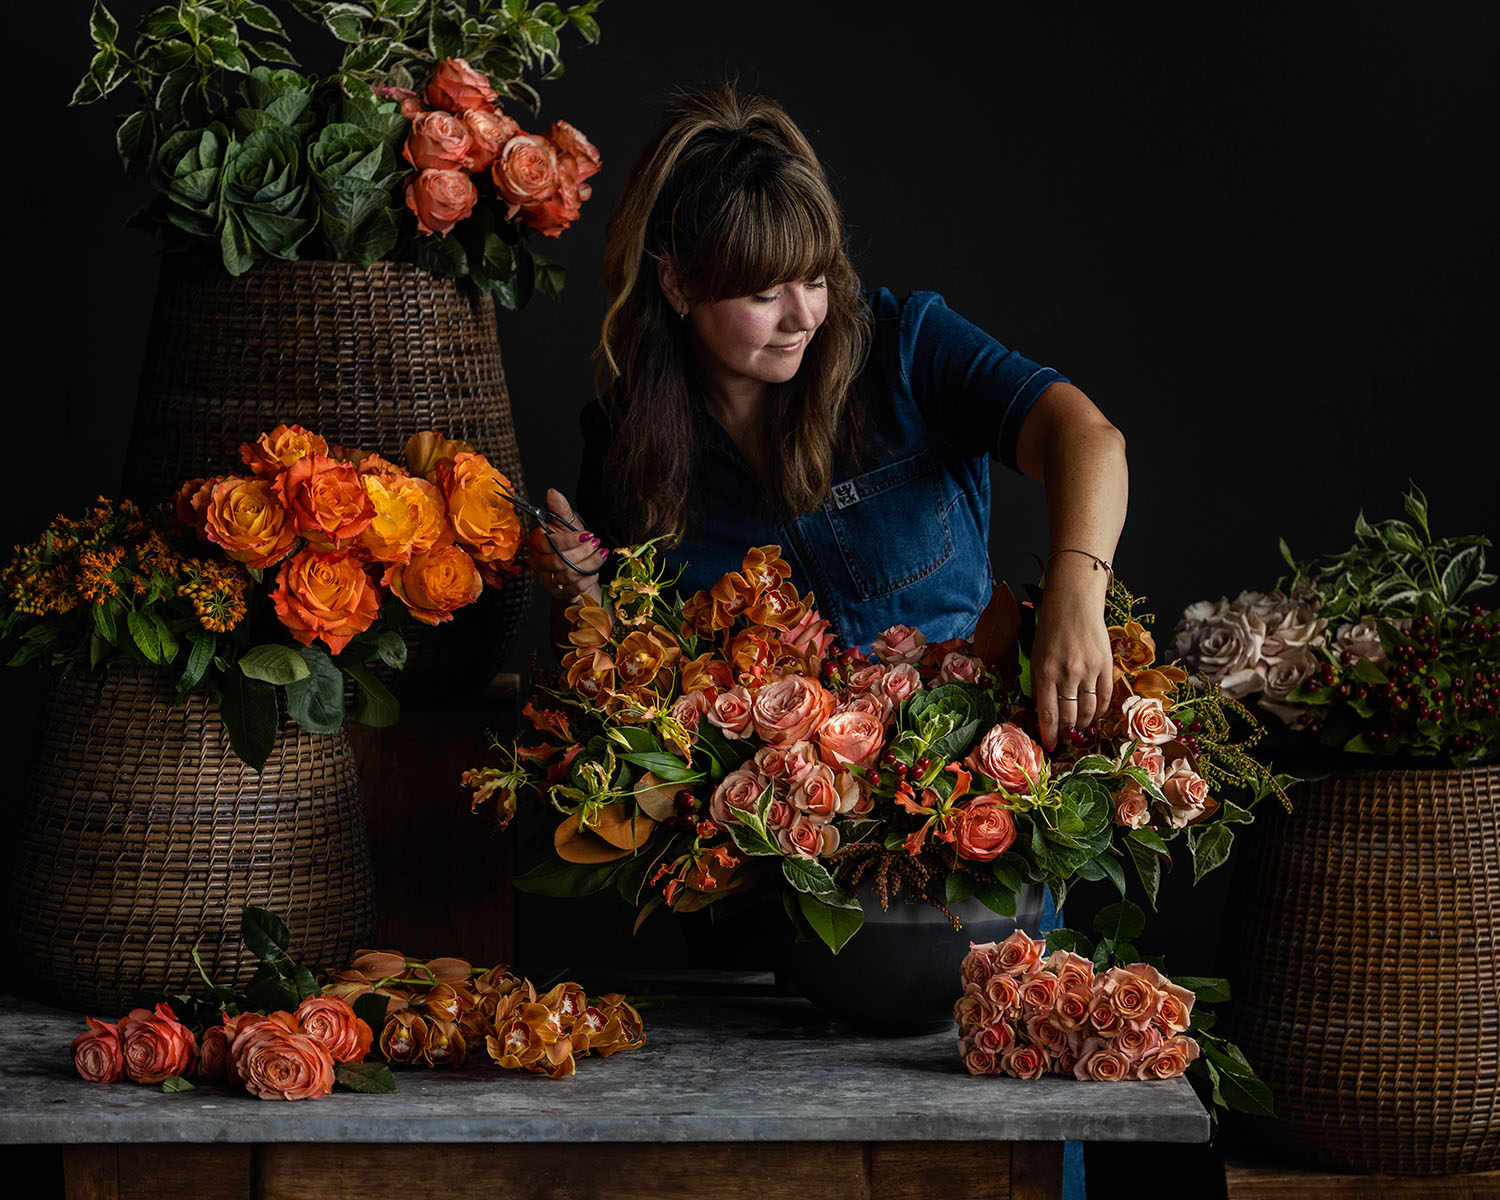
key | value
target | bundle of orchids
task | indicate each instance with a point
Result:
(699, 748)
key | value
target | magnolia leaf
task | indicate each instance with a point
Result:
(378, 708)
(614, 835)
(372, 1078)
(656, 798)
(999, 626)
(553, 877)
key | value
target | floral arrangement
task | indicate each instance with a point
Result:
(1065, 1006)
(357, 544)
(427, 1014)
(698, 748)
(1378, 650)
(400, 154)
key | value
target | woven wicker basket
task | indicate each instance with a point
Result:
(1366, 970)
(366, 358)
(142, 834)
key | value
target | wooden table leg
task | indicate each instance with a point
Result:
(91, 1172)
(1036, 1170)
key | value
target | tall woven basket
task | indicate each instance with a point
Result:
(142, 835)
(366, 358)
(1366, 970)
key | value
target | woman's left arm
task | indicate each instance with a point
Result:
(1068, 446)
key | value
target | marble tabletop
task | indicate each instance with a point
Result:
(733, 1062)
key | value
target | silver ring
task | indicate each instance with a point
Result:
(1062, 697)
(1086, 691)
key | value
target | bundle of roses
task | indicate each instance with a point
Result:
(434, 1011)
(696, 748)
(1377, 650)
(277, 1056)
(251, 160)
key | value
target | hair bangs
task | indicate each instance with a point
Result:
(779, 228)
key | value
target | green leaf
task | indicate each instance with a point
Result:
(809, 875)
(263, 19)
(751, 838)
(271, 993)
(103, 28)
(98, 650)
(371, 1009)
(1149, 839)
(958, 886)
(554, 877)
(1286, 553)
(305, 983)
(201, 654)
(161, 22)
(444, 36)
(165, 638)
(585, 25)
(1210, 845)
(316, 702)
(1416, 506)
(1114, 869)
(227, 54)
(265, 934)
(367, 55)
(248, 709)
(1459, 575)
(1148, 867)
(1245, 1094)
(1232, 814)
(378, 708)
(274, 663)
(135, 139)
(86, 92)
(666, 767)
(1120, 921)
(104, 621)
(391, 647)
(346, 21)
(1072, 940)
(371, 1078)
(144, 631)
(176, 1083)
(835, 923)
(1207, 989)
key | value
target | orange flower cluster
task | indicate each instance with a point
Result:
(280, 1056)
(438, 1009)
(348, 527)
(458, 135)
(117, 554)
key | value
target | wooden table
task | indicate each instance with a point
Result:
(739, 1092)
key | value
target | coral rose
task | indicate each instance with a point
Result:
(457, 87)
(97, 1056)
(585, 159)
(489, 130)
(850, 738)
(790, 710)
(900, 682)
(249, 521)
(333, 1023)
(1009, 757)
(557, 213)
(525, 173)
(959, 667)
(1024, 1062)
(156, 1045)
(213, 1053)
(434, 585)
(438, 141)
(327, 499)
(325, 595)
(479, 506)
(1131, 809)
(983, 828)
(273, 452)
(1146, 721)
(276, 1062)
(440, 199)
(807, 837)
(815, 794)
(1101, 1062)
(1019, 953)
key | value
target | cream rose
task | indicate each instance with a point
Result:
(1146, 720)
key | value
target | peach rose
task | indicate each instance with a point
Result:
(1042, 1028)
(1024, 1062)
(807, 838)
(434, 585)
(1072, 1008)
(688, 709)
(739, 790)
(1009, 757)
(156, 1045)
(574, 145)
(959, 667)
(1168, 1060)
(790, 710)
(247, 519)
(457, 87)
(325, 595)
(556, 213)
(1135, 1044)
(976, 1059)
(525, 173)
(1131, 809)
(1018, 953)
(900, 682)
(273, 452)
(276, 1062)
(1151, 760)
(973, 1009)
(1176, 1012)
(327, 499)
(982, 961)
(815, 794)
(1186, 792)
(871, 703)
(899, 644)
(1131, 995)
(1102, 1015)
(850, 738)
(410, 518)
(1073, 971)
(438, 141)
(996, 1037)
(480, 508)
(440, 199)
(1039, 990)
(730, 712)
(1146, 721)
(809, 636)
(866, 678)
(1101, 1062)
(333, 1023)
(489, 130)
(983, 828)
(97, 1056)
(1004, 993)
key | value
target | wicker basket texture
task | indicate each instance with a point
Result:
(366, 358)
(142, 835)
(1366, 975)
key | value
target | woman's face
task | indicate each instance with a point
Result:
(761, 338)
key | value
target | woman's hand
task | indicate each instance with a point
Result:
(1072, 668)
(562, 575)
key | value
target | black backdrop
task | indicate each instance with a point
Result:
(1263, 241)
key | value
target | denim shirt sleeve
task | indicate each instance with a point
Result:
(971, 390)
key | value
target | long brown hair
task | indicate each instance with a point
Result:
(730, 196)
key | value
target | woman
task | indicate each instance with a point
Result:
(751, 394)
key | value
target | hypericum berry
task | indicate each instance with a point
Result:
(889, 758)
(899, 770)
(873, 778)
(1476, 610)
(1314, 728)
(1346, 657)
(1195, 727)
(1432, 681)
(1344, 690)
(923, 763)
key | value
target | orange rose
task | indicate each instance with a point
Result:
(156, 1045)
(246, 517)
(273, 452)
(425, 450)
(433, 585)
(213, 1053)
(327, 499)
(410, 518)
(851, 737)
(489, 130)
(983, 828)
(333, 1023)
(325, 595)
(191, 502)
(438, 141)
(558, 211)
(457, 87)
(790, 710)
(440, 199)
(479, 507)
(525, 173)
(276, 1062)
(97, 1056)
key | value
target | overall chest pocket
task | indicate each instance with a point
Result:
(891, 525)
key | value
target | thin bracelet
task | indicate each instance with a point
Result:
(1098, 562)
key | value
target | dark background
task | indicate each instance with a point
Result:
(1263, 241)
